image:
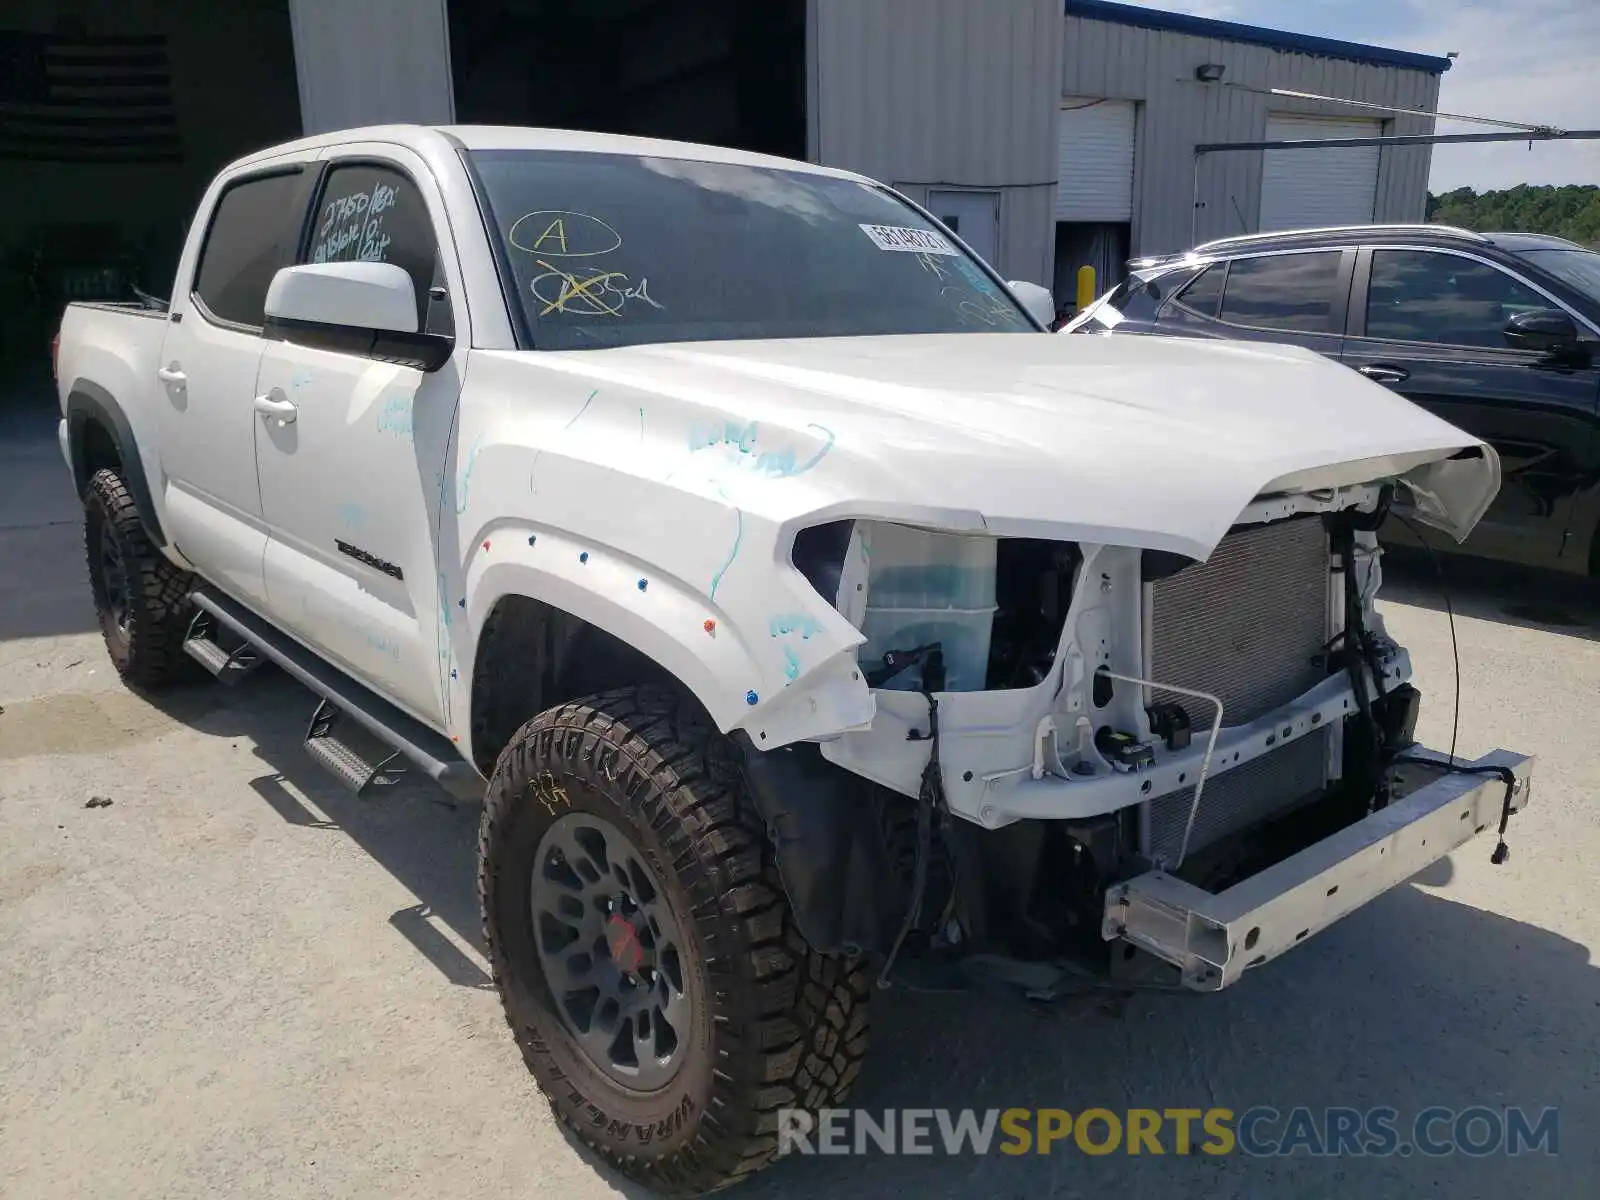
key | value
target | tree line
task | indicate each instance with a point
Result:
(1571, 211)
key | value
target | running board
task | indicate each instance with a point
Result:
(430, 751)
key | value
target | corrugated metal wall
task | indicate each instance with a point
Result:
(371, 62)
(1156, 68)
(922, 93)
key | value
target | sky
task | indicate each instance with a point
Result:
(1534, 61)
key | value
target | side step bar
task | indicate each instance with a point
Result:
(430, 751)
(226, 666)
(342, 760)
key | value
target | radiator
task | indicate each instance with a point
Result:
(1246, 625)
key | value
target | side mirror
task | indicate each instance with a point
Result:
(1544, 330)
(1037, 300)
(366, 308)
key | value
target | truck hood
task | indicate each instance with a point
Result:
(1155, 443)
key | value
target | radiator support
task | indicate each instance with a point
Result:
(1249, 625)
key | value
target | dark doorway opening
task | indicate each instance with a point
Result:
(113, 119)
(727, 72)
(1102, 245)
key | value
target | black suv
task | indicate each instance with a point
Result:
(1497, 333)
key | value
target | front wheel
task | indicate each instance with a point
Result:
(647, 958)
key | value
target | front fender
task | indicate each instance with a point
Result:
(669, 621)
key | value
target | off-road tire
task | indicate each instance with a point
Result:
(779, 1026)
(149, 651)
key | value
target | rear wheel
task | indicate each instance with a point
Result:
(141, 599)
(645, 953)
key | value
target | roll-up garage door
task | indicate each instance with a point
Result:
(1303, 189)
(1096, 160)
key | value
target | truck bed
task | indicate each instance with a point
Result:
(131, 307)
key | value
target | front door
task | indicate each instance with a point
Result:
(1433, 330)
(206, 380)
(974, 217)
(350, 481)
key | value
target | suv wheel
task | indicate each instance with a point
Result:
(643, 948)
(140, 597)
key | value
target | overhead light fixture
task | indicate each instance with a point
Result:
(1209, 72)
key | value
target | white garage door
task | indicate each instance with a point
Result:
(1302, 189)
(1096, 160)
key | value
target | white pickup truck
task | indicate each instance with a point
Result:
(803, 618)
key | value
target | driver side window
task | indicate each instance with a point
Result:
(371, 213)
(1423, 296)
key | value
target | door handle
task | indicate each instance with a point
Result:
(284, 410)
(1379, 373)
(171, 376)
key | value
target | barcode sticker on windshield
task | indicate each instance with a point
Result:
(918, 241)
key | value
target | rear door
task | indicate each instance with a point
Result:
(205, 385)
(1297, 296)
(351, 487)
(1430, 325)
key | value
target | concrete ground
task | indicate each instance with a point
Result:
(239, 981)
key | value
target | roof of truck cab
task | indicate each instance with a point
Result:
(518, 137)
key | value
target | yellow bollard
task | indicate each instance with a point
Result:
(1085, 287)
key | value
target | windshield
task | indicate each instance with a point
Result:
(1576, 268)
(619, 250)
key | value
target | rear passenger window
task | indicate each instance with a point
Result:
(1295, 292)
(252, 235)
(376, 214)
(1204, 291)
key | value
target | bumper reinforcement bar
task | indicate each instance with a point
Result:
(1213, 938)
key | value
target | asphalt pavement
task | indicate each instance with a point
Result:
(237, 980)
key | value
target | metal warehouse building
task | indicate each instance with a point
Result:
(1072, 136)
(1050, 133)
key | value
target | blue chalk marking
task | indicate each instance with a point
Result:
(738, 536)
(751, 698)
(453, 673)
(395, 416)
(532, 538)
(791, 665)
(782, 463)
(461, 603)
(533, 467)
(582, 410)
(643, 583)
(352, 515)
(463, 488)
(384, 646)
(802, 623)
(727, 433)
(641, 426)
(584, 557)
(820, 454)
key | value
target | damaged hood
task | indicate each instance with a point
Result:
(1155, 443)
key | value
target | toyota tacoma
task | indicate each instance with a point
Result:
(805, 622)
